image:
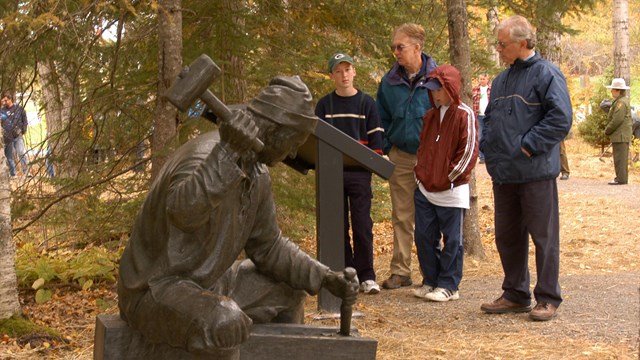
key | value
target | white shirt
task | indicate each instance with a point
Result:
(484, 99)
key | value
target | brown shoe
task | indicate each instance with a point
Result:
(503, 306)
(543, 312)
(395, 281)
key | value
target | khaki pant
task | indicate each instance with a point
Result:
(564, 161)
(402, 186)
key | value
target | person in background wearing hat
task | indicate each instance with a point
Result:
(529, 114)
(402, 102)
(180, 279)
(448, 152)
(354, 113)
(619, 130)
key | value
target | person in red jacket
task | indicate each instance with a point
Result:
(447, 153)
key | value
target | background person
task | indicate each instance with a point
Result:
(14, 126)
(564, 162)
(354, 113)
(480, 95)
(619, 130)
(402, 102)
(527, 118)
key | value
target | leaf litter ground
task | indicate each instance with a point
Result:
(600, 279)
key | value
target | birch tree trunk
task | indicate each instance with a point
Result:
(621, 67)
(460, 56)
(493, 20)
(164, 136)
(9, 304)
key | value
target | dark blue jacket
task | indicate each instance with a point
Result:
(14, 122)
(529, 108)
(402, 104)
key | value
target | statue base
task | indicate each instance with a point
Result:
(114, 339)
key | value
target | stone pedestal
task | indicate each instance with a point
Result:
(114, 339)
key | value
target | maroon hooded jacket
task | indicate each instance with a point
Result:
(448, 150)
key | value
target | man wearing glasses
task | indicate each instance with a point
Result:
(528, 115)
(402, 101)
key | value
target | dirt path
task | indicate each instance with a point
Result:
(600, 279)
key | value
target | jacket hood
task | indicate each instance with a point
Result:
(449, 78)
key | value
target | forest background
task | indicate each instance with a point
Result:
(89, 73)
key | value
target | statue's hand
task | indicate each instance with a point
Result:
(225, 326)
(239, 132)
(340, 286)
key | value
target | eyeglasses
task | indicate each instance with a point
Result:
(398, 47)
(503, 44)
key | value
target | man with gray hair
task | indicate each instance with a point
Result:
(528, 115)
(402, 101)
(183, 280)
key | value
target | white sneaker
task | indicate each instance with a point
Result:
(422, 291)
(442, 294)
(369, 287)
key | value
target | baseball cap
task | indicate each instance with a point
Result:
(433, 84)
(337, 59)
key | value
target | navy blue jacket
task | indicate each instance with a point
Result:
(529, 108)
(402, 104)
(14, 122)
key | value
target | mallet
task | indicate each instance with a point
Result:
(193, 83)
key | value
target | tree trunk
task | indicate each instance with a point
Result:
(57, 93)
(621, 67)
(9, 304)
(460, 56)
(492, 19)
(164, 136)
(233, 72)
(549, 39)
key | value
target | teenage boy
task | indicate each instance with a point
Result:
(353, 112)
(447, 153)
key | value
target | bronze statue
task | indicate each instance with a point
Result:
(180, 279)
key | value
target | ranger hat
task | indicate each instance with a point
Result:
(618, 83)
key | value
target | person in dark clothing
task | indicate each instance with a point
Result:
(354, 113)
(206, 257)
(448, 152)
(529, 114)
(14, 126)
(402, 102)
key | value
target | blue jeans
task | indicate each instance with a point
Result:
(480, 127)
(16, 145)
(441, 266)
